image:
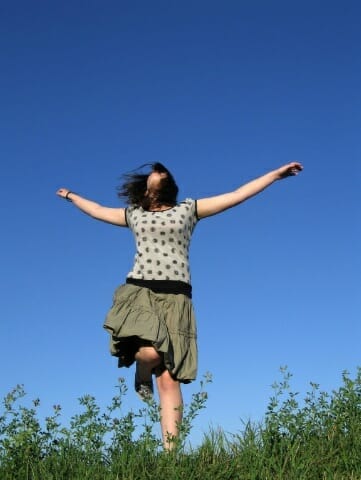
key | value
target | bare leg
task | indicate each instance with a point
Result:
(147, 358)
(171, 403)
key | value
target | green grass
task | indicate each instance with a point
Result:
(318, 437)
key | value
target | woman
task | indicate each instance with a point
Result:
(151, 321)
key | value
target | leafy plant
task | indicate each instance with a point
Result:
(315, 438)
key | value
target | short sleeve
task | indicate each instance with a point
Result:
(190, 206)
(130, 215)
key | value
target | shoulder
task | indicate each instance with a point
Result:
(188, 202)
(189, 205)
(131, 213)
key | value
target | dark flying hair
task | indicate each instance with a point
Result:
(134, 187)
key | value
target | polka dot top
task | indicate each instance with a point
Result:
(162, 241)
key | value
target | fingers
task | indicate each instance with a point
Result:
(293, 168)
(62, 192)
(296, 167)
(290, 170)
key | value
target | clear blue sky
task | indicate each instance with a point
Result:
(220, 92)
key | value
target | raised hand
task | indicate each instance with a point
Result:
(62, 192)
(289, 170)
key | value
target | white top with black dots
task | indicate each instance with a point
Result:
(162, 241)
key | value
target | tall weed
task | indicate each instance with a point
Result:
(314, 438)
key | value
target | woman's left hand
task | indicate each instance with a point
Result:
(289, 170)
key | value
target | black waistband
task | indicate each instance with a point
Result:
(163, 286)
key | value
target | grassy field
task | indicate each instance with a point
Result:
(317, 437)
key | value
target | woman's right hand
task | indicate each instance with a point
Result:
(115, 216)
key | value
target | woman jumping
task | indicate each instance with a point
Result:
(151, 321)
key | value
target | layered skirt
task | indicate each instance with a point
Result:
(164, 320)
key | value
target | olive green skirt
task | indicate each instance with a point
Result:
(165, 320)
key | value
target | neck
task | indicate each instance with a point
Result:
(156, 206)
(152, 203)
(159, 208)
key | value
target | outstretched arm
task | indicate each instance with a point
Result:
(213, 205)
(115, 216)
